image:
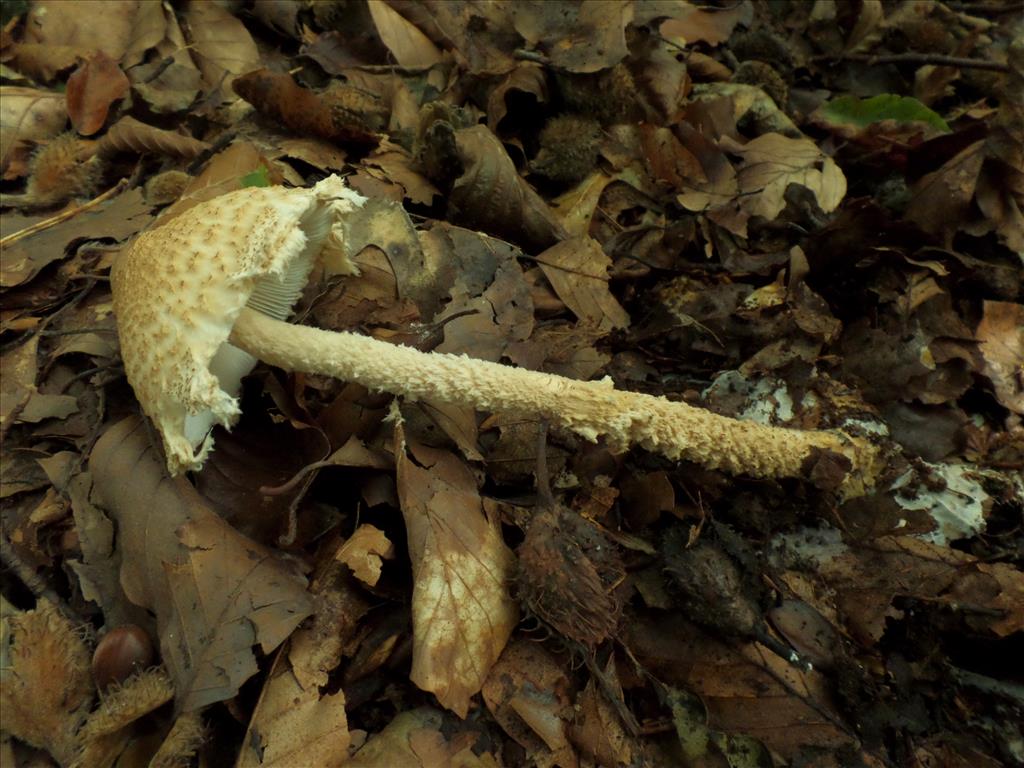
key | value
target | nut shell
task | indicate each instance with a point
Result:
(121, 653)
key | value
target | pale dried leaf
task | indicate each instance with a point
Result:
(295, 726)
(578, 271)
(462, 612)
(410, 47)
(772, 162)
(1001, 333)
(104, 25)
(363, 552)
(222, 45)
(414, 740)
(700, 24)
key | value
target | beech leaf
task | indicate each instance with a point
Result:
(462, 613)
(215, 592)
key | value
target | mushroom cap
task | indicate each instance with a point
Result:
(178, 290)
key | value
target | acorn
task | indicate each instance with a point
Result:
(121, 653)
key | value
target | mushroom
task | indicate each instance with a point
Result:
(201, 298)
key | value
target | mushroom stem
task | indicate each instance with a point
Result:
(588, 408)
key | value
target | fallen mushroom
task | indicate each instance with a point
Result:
(201, 298)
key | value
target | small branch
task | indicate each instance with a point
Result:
(920, 58)
(39, 226)
(995, 9)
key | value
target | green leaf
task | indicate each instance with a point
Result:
(850, 110)
(258, 178)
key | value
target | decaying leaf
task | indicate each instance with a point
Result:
(363, 552)
(462, 612)
(414, 739)
(490, 194)
(528, 693)
(578, 271)
(1001, 333)
(410, 47)
(215, 593)
(293, 725)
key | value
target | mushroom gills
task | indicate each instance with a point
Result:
(274, 296)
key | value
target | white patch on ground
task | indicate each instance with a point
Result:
(958, 509)
(768, 400)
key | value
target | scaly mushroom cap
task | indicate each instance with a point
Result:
(179, 288)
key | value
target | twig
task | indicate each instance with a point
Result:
(994, 8)
(39, 226)
(920, 58)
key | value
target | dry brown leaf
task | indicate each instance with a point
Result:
(26, 114)
(745, 689)
(280, 15)
(492, 196)
(527, 78)
(215, 593)
(222, 174)
(597, 731)
(414, 740)
(292, 725)
(578, 271)
(62, 30)
(461, 611)
(91, 90)
(529, 695)
(165, 87)
(221, 44)
(118, 219)
(772, 162)
(19, 368)
(863, 581)
(1001, 333)
(131, 135)
(400, 168)
(363, 552)
(149, 29)
(940, 200)
(700, 24)
(579, 37)
(410, 47)
(483, 325)
(43, 62)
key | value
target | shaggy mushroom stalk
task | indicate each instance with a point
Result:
(589, 408)
(202, 298)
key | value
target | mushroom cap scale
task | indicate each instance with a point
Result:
(178, 290)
